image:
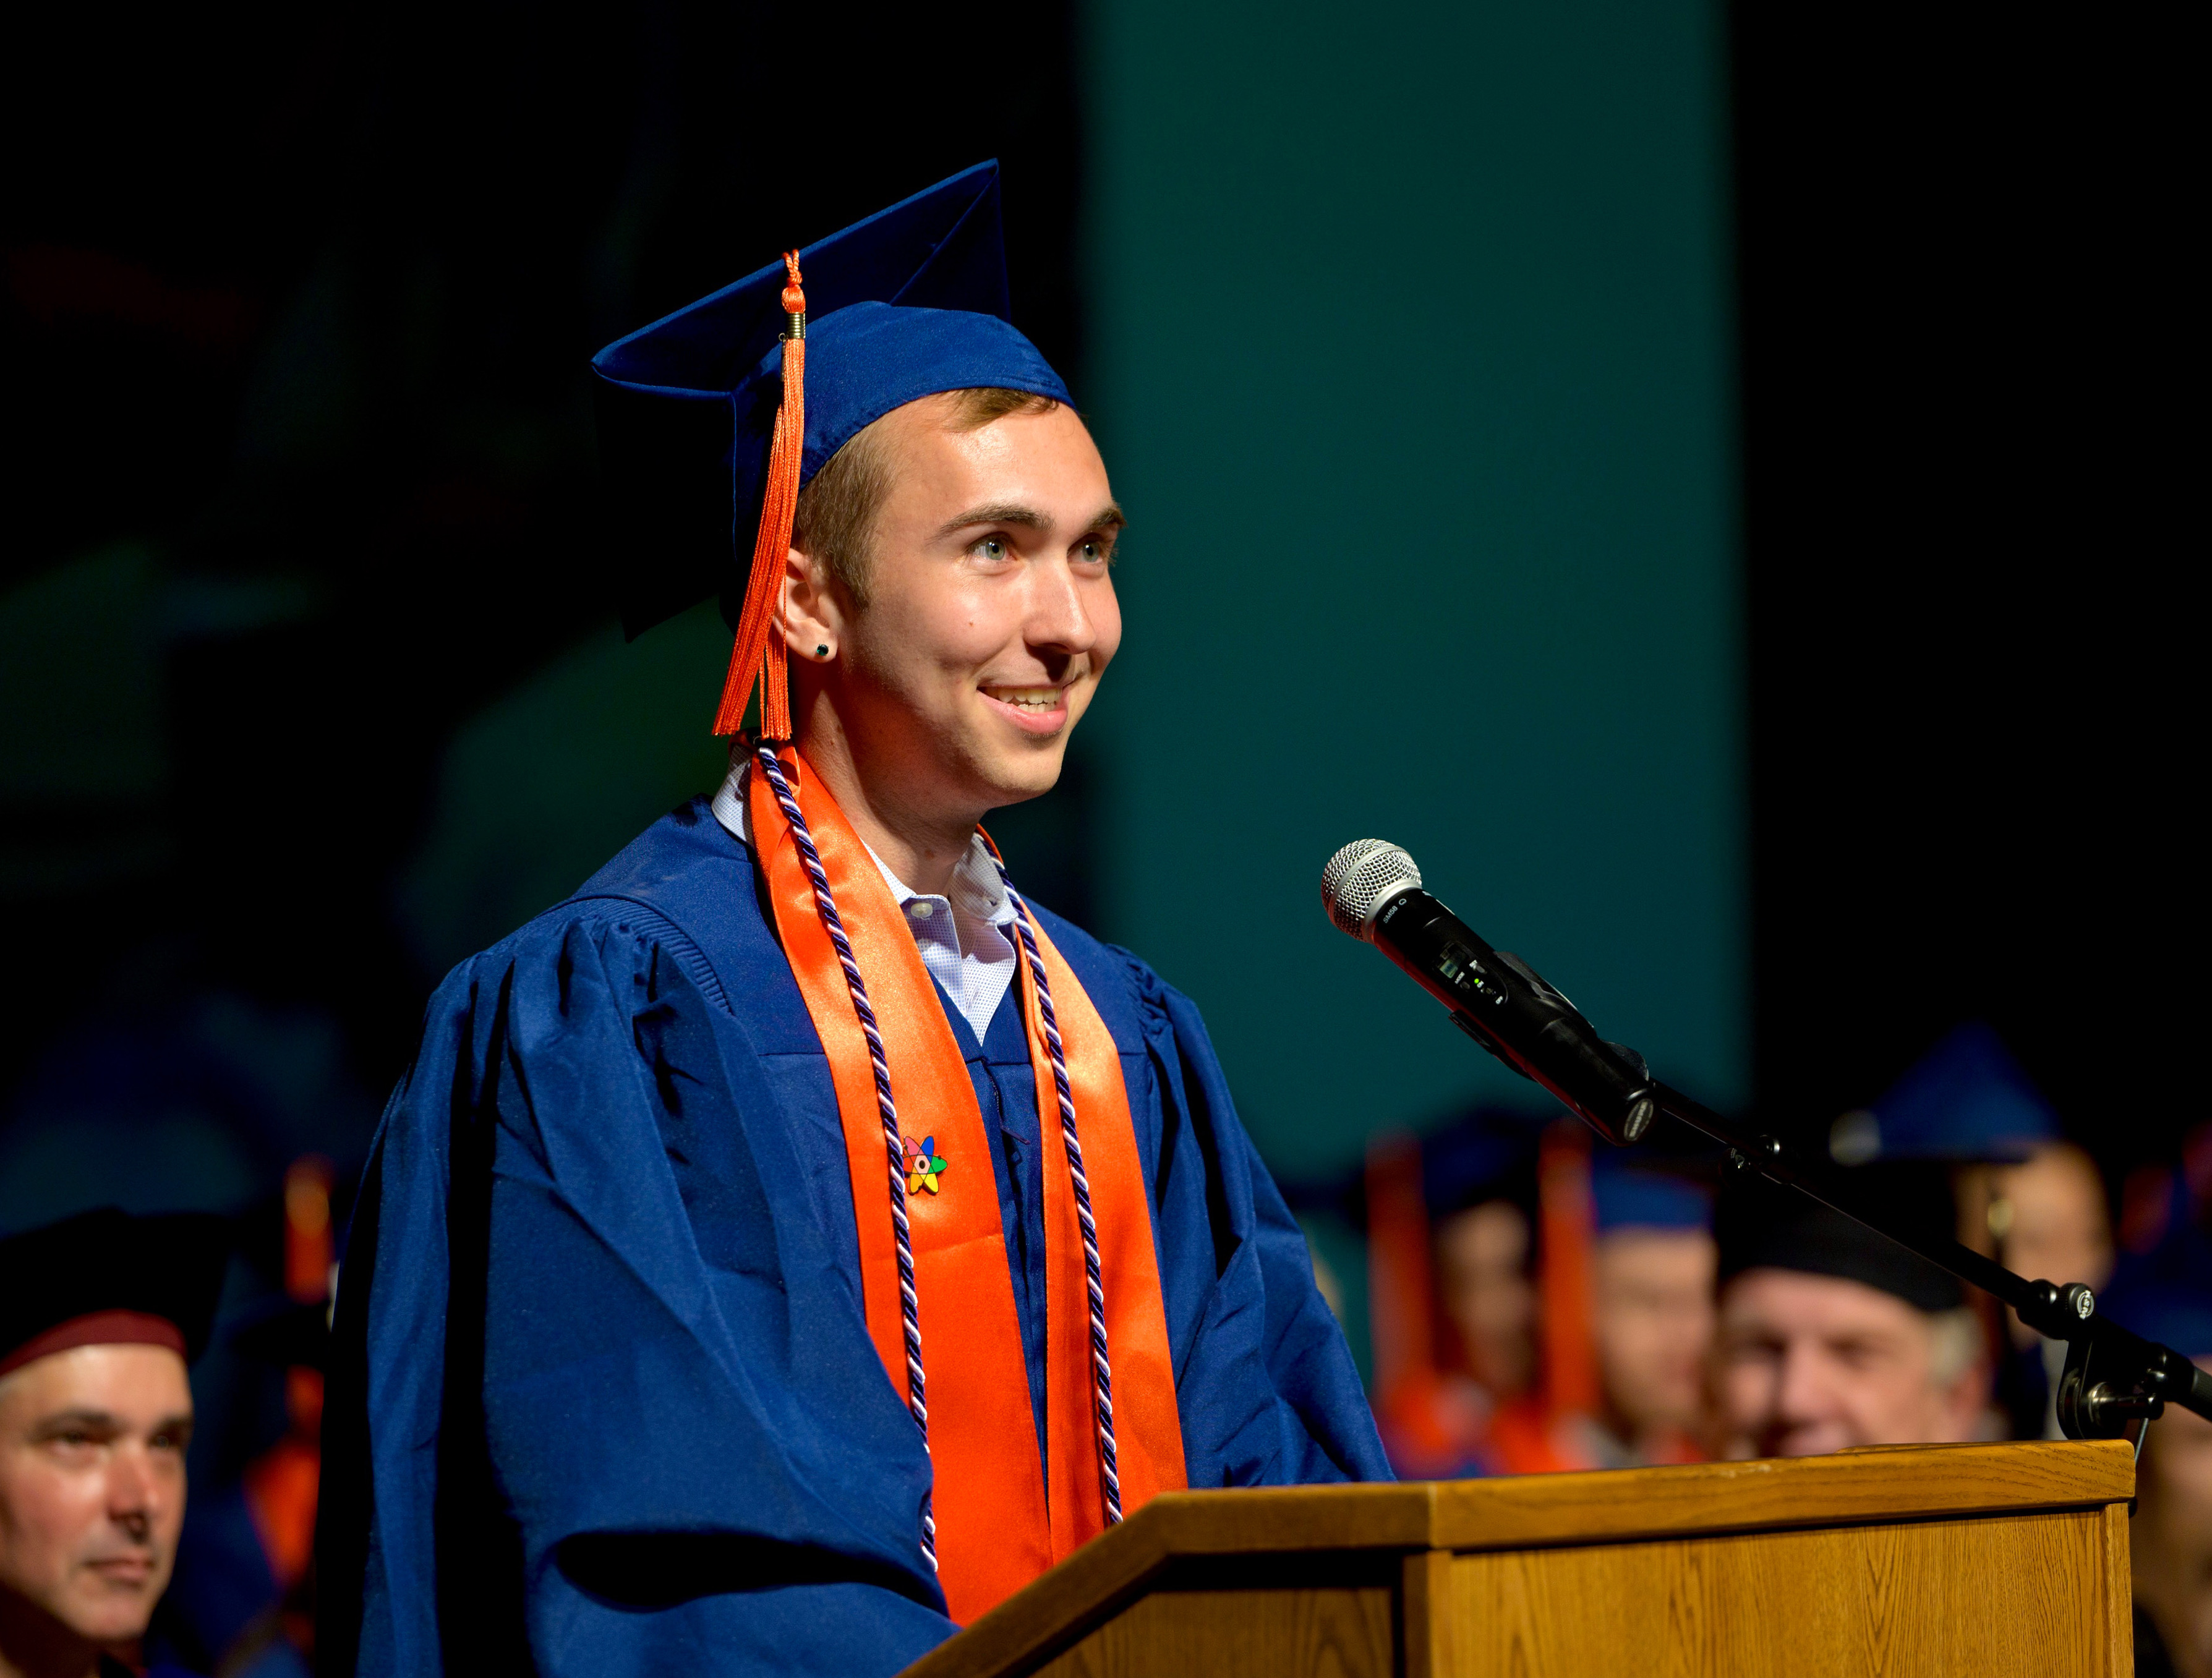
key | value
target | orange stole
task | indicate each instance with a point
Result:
(995, 1529)
(1147, 1426)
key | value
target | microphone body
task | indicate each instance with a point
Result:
(1494, 997)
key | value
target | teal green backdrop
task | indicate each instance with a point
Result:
(1410, 351)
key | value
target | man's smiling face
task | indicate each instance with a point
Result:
(990, 611)
(1811, 1364)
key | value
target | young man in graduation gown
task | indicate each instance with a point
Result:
(796, 1242)
(1651, 1313)
(100, 1315)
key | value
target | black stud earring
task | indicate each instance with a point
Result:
(822, 651)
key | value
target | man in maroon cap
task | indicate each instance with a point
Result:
(99, 1316)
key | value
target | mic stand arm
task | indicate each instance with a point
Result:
(2113, 1378)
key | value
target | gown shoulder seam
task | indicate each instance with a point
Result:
(641, 917)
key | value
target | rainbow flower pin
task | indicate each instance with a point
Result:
(923, 1164)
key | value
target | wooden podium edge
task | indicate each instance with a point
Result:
(1102, 1577)
(1529, 1512)
(1907, 1483)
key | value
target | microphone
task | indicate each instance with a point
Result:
(1372, 891)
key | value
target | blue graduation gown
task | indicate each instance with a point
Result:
(603, 1399)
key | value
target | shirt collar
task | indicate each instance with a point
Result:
(977, 891)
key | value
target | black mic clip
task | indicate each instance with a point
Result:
(2113, 1378)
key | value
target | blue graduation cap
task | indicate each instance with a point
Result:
(1965, 1100)
(1627, 1196)
(2166, 1294)
(1488, 1154)
(712, 419)
(2172, 1308)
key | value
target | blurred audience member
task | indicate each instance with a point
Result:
(1831, 1337)
(2171, 1533)
(1966, 1098)
(2053, 1224)
(1967, 1109)
(1544, 1427)
(1652, 1283)
(100, 1315)
(2050, 1218)
(1625, 1314)
(242, 1604)
(2165, 1293)
(1485, 1252)
(1452, 1301)
(1534, 1310)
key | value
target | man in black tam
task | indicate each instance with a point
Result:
(100, 1315)
(1832, 1336)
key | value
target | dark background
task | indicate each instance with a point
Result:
(1967, 351)
(298, 309)
(297, 315)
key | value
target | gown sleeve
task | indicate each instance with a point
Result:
(603, 1401)
(1268, 1391)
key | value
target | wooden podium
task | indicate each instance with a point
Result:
(1938, 1559)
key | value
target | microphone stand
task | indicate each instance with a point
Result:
(1373, 892)
(2113, 1378)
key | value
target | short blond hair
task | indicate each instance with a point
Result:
(835, 519)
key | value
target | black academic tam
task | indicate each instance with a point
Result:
(168, 1266)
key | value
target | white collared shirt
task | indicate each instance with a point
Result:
(966, 940)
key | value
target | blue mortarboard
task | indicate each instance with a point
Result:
(908, 303)
(1488, 1154)
(1966, 1098)
(1625, 1195)
(2174, 1309)
(2166, 1294)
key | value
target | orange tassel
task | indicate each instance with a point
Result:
(758, 655)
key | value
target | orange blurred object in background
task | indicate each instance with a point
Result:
(282, 1484)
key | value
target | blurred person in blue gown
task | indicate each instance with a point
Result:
(2165, 1293)
(1651, 1313)
(2025, 1194)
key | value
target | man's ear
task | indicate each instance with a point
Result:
(814, 615)
(1964, 1400)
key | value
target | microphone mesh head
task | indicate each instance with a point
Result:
(1359, 879)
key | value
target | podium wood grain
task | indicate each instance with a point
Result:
(1347, 1632)
(1914, 1560)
